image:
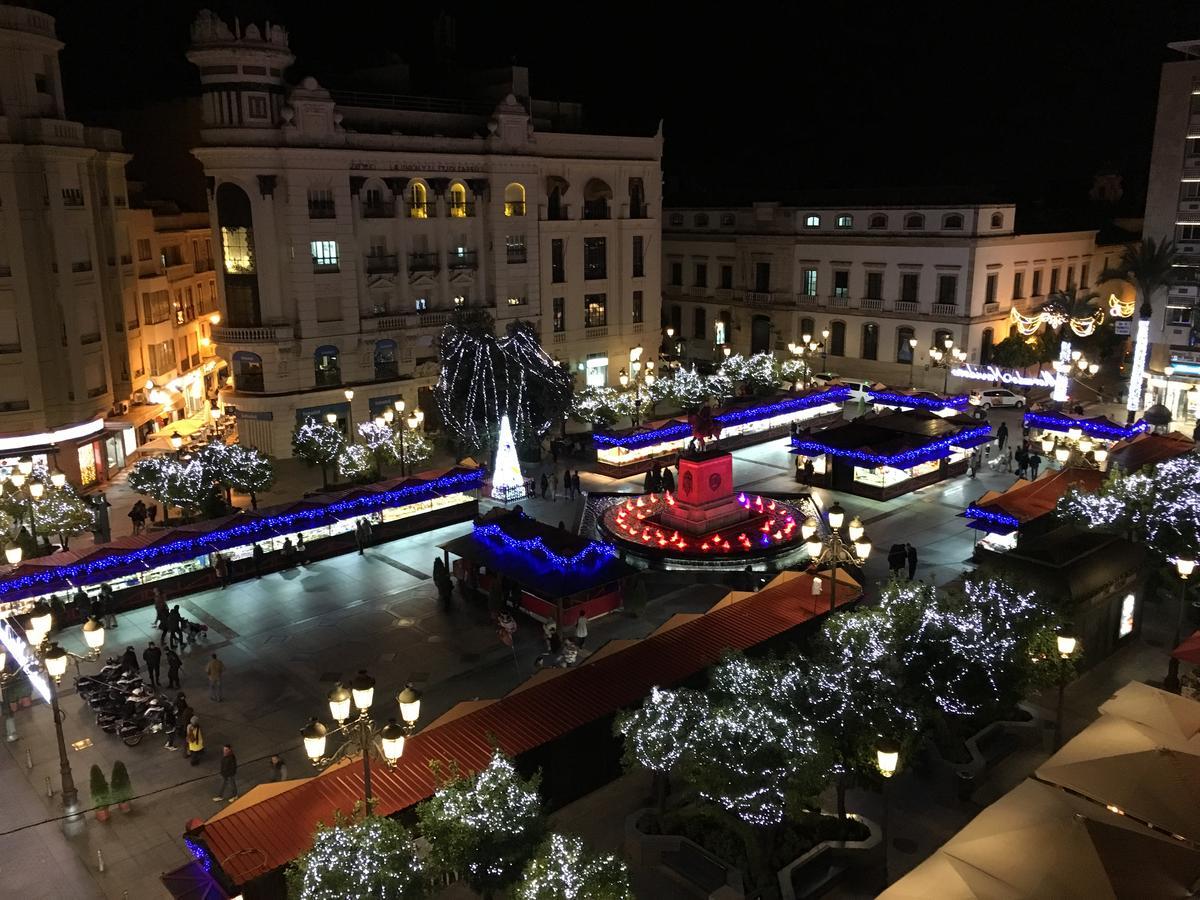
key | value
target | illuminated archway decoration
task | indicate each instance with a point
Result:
(1081, 327)
(1120, 309)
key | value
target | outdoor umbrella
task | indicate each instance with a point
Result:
(947, 878)
(1163, 711)
(1046, 843)
(1189, 650)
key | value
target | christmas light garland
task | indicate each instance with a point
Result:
(200, 854)
(1056, 318)
(597, 550)
(239, 535)
(891, 398)
(1051, 422)
(906, 460)
(975, 512)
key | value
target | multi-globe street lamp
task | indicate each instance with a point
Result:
(946, 359)
(386, 742)
(803, 351)
(640, 374)
(833, 550)
(1184, 566)
(1075, 447)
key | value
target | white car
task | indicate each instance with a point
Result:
(997, 397)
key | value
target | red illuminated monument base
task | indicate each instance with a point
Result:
(704, 498)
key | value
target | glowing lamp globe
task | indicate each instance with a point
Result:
(887, 757)
(1085, 445)
(1100, 454)
(1062, 454)
(809, 528)
(398, 406)
(814, 546)
(837, 516)
(339, 704)
(379, 422)
(17, 479)
(1066, 645)
(58, 479)
(362, 688)
(348, 394)
(389, 416)
(93, 634)
(331, 418)
(12, 553)
(412, 421)
(1074, 433)
(1185, 567)
(391, 740)
(214, 413)
(36, 489)
(410, 705)
(56, 662)
(25, 466)
(41, 617)
(176, 441)
(649, 379)
(856, 529)
(1047, 445)
(727, 350)
(314, 740)
(862, 549)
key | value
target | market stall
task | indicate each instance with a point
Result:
(1004, 518)
(912, 398)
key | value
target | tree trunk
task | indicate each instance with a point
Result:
(324, 477)
(253, 500)
(840, 785)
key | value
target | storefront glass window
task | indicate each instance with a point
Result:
(87, 464)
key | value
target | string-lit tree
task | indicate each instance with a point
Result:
(246, 470)
(173, 482)
(62, 513)
(596, 406)
(657, 733)
(355, 462)
(758, 374)
(318, 444)
(485, 827)
(689, 389)
(372, 857)
(563, 869)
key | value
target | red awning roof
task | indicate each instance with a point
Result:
(269, 834)
(1148, 449)
(1029, 500)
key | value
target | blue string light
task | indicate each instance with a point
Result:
(735, 417)
(975, 512)
(598, 549)
(202, 856)
(958, 401)
(1095, 429)
(906, 460)
(246, 533)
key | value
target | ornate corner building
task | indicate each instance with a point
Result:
(352, 226)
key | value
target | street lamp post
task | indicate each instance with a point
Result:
(825, 350)
(887, 758)
(946, 359)
(386, 742)
(834, 551)
(1184, 566)
(1066, 643)
(52, 659)
(912, 361)
(349, 395)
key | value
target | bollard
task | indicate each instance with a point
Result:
(100, 859)
(49, 789)
(28, 759)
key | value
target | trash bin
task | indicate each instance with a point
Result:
(966, 784)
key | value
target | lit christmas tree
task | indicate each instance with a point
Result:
(507, 481)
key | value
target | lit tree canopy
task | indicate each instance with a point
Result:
(596, 406)
(318, 444)
(354, 462)
(375, 857)
(485, 827)
(564, 870)
(657, 732)
(758, 373)
(246, 470)
(173, 482)
(689, 389)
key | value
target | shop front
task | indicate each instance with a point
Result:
(78, 451)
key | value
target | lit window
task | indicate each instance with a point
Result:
(422, 304)
(845, 221)
(324, 254)
(458, 201)
(514, 199)
(516, 301)
(418, 205)
(238, 247)
(812, 222)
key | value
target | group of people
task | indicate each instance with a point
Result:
(658, 480)
(139, 513)
(1028, 462)
(901, 554)
(570, 485)
(152, 656)
(573, 447)
(565, 651)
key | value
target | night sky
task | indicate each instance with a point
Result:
(760, 100)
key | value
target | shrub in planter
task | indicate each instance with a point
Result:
(101, 796)
(121, 791)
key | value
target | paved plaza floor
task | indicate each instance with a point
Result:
(288, 637)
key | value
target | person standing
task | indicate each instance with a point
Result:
(581, 629)
(103, 530)
(911, 555)
(108, 604)
(575, 483)
(548, 630)
(228, 774)
(545, 486)
(568, 486)
(1022, 458)
(161, 613)
(152, 656)
(195, 740)
(1035, 463)
(137, 516)
(152, 512)
(288, 553)
(301, 550)
(174, 664)
(1002, 435)
(168, 628)
(221, 567)
(554, 485)
(896, 559)
(214, 671)
(129, 661)
(170, 725)
(256, 556)
(668, 480)
(278, 768)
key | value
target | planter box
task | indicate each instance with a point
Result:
(847, 854)
(956, 779)
(648, 849)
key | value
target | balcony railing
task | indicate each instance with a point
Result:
(595, 331)
(946, 309)
(758, 298)
(870, 304)
(422, 262)
(836, 302)
(514, 207)
(807, 300)
(420, 210)
(385, 209)
(382, 262)
(322, 211)
(259, 334)
(515, 255)
(989, 308)
(561, 213)
(461, 210)
(84, 266)
(466, 260)
(595, 209)
(912, 307)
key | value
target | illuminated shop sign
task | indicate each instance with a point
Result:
(1004, 376)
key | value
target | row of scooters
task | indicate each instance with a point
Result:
(124, 704)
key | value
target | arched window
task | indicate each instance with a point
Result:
(418, 201)
(386, 366)
(700, 220)
(940, 337)
(837, 338)
(247, 372)
(845, 221)
(870, 341)
(637, 199)
(985, 347)
(458, 200)
(952, 222)
(812, 222)
(327, 369)
(997, 220)
(597, 196)
(809, 327)
(376, 200)
(914, 222)
(236, 223)
(514, 199)
(877, 220)
(904, 348)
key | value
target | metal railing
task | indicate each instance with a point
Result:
(322, 211)
(382, 262)
(385, 209)
(514, 207)
(836, 302)
(908, 306)
(870, 304)
(423, 262)
(466, 260)
(517, 256)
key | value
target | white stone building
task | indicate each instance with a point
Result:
(353, 225)
(1173, 206)
(66, 276)
(874, 277)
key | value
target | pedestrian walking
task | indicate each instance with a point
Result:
(152, 656)
(278, 768)
(170, 725)
(911, 555)
(256, 556)
(221, 567)
(174, 664)
(96, 609)
(568, 486)
(581, 629)
(1002, 435)
(548, 630)
(152, 512)
(228, 775)
(195, 740)
(137, 516)
(1035, 463)
(129, 661)
(108, 604)
(80, 600)
(1022, 458)
(301, 550)
(161, 613)
(896, 558)
(214, 670)
(545, 486)
(668, 481)
(575, 482)
(174, 629)
(102, 530)
(554, 486)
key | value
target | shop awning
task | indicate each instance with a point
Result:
(137, 415)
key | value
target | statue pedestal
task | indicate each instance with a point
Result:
(704, 500)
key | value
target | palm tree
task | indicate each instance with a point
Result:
(1147, 266)
(1069, 305)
